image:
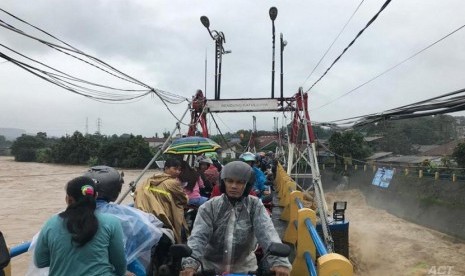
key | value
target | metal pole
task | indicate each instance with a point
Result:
(272, 65)
(282, 50)
(133, 184)
(216, 70)
(220, 58)
(205, 88)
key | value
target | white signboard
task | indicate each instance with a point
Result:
(243, 105)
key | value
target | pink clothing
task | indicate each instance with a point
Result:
(212, 175)
(196, 190)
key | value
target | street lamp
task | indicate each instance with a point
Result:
(219, 39)
(283, 44)
(273, 14)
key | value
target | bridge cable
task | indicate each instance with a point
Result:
(334, 41)
(351, 43)
(162, 95)
(391, 68)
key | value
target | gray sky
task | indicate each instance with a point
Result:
(163, 44)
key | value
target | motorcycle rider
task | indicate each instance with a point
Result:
(227, 228)
(259, 186)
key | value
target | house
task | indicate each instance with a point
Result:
(407, 160)
(443, 150)
(267, 143)
(378, 155)
(155, 142)
(230, 151)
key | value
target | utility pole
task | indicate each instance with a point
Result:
(99, 124)
(87, 125)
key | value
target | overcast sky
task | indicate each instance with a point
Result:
(163, 44)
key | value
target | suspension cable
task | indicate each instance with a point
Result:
(391, 68)
(351, 43)
(334, 41)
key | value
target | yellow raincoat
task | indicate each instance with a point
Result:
(163, 196)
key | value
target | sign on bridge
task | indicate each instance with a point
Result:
(243, 105)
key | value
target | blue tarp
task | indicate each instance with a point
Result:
(383, 177)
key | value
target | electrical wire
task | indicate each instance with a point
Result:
(334, 41)
(391, 68)
(69, 82)
(351, 43)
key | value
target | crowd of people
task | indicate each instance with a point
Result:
(94, 236)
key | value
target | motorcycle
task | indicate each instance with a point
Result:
(179, 251)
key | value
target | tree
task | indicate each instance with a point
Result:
(399, 136)
(24, 147)
(348, 143)
(76, 149)
(459, 155)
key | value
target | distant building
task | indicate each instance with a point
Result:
(443, 150)
(235, 140)
(155, 142)
(407, 160)
(230, 151)
(268, 142)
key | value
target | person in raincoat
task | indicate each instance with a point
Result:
(141, 231)
(259, 186)
(227, 228)
(163, 196)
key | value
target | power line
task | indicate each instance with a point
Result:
(351, 43)
(446, 103)
(392, 68)
(334, 41)
(65, 81)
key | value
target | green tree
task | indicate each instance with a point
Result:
(137, 153)
(322, 133)
(348, 143)
(76, 149)
(24, 147)
(400, 135)
(459, 155)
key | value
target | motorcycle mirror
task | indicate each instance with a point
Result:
(279, 249)
(180, 251)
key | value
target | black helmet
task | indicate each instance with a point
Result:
(238, 170)
(107, 180)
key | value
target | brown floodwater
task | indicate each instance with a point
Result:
(380, 243)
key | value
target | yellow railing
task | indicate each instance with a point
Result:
(302, 234)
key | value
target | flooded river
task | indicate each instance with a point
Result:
(380, 243)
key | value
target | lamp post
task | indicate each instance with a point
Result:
(283, 44)
(273, 14)
(219, 39)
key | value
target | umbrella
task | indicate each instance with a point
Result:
(192, 145)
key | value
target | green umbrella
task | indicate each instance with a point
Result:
(192, 145)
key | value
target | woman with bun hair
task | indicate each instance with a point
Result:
(78, 241)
